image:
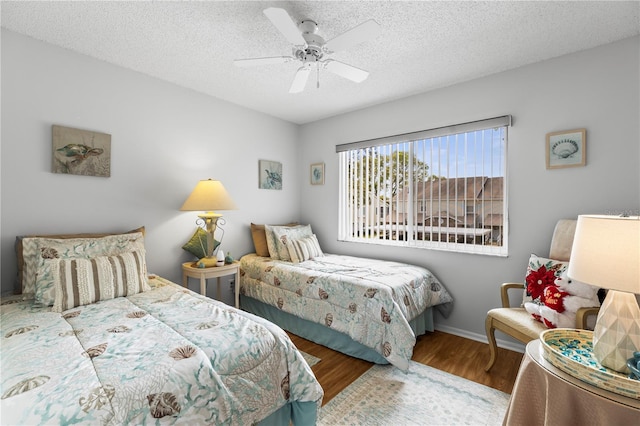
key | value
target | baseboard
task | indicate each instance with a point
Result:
(512, 346)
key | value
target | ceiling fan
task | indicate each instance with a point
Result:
(312, 50)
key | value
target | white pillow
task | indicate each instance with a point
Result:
(277, 237)
(304, 249)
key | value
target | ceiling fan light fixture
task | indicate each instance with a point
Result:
(308, 26)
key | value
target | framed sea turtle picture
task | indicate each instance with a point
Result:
(270, 174)
(566, 149)
(81, 152)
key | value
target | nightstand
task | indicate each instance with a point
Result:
(190, 270)
(544, 394)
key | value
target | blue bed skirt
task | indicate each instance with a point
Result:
(325, 336)
(296, 413)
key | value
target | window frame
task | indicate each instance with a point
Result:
(411, 227)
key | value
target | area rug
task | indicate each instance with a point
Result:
(311, 360)
(385, 395)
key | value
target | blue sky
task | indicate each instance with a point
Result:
(479, 153)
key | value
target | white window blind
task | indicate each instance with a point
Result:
(442, 188)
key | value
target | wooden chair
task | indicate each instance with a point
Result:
(516, 321)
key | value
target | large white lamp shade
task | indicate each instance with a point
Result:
(606, 253)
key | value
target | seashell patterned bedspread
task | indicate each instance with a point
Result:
(370, 300)
(166, 356)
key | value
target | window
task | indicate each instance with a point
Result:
(442, 189)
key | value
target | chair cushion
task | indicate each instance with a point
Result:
(518, 319)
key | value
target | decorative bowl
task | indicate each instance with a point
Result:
(633, 364)
(571, 351)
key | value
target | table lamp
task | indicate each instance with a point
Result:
(606, 253)
(207, 196)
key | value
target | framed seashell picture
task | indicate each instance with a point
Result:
(566, 149)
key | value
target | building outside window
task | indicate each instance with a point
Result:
(441, 189)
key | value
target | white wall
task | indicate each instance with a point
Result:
(596, 89)
(164, 139)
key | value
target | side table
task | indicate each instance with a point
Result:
(190, 270)
(545, 395)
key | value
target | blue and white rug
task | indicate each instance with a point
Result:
(385, 395)
(311, 360)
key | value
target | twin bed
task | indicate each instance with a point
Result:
(114, 347)
(370, 309)
(93, 340)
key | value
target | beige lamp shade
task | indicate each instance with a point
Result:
(606, 252)
(208, 195)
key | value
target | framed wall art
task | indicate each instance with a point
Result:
(80, 152)
(270, 174)
(566, 149)
(317, 174)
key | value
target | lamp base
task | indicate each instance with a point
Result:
(207, 262)
(617, 332)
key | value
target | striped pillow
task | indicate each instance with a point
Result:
(277, 237)
(304, 249)
(80, 281)
(48, 248)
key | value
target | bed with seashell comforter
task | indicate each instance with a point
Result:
(166, 355)
(367, 308)
(114, 347)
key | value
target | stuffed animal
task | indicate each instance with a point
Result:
(561, 300)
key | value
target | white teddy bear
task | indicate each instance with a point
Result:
(561, 301)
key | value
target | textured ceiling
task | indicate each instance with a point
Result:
(422, 45)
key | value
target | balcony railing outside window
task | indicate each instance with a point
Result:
(441, 189)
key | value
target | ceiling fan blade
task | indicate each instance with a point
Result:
(365, 31)
(250, 62)
(283, 22)
(347, 71)
(300, 80)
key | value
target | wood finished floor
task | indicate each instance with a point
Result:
(453, 354)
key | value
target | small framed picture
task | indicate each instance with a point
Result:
(80, 152)
(270, 174)
(566, 149)
(317, 174)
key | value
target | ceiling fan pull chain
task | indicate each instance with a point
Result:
(317, 75)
